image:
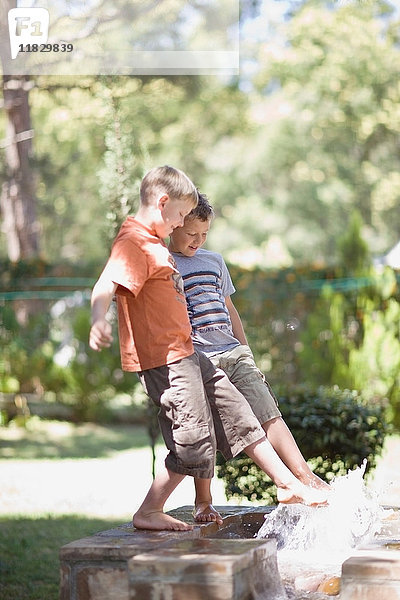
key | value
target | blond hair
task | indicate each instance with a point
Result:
(167, 180)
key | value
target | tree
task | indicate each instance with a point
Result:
(122, 168)
(339, 76)
(325, 136)
(17, 198)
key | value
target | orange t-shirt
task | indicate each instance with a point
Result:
(154, 327)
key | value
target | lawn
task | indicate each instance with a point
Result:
(39, 466)
(29, 568)
(41, 439)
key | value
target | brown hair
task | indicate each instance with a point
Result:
(167, 180)
(203, 210)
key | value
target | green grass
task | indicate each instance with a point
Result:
(29, 545)
(41, 439)
(29, 548)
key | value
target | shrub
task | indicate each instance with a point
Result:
(353, 340)
(335, 430)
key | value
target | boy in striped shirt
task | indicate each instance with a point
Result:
(217, 331)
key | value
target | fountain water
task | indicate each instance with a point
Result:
(314, 542)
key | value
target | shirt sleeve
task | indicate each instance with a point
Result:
(127, 266)
(227, 286)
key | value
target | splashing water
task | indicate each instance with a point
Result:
(318, 539)
(350, 518)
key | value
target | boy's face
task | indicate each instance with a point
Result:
(190, 237)
(172, 214)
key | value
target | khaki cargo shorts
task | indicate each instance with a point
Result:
(240, 367)
(200, 410)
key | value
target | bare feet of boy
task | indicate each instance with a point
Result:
(302, 494)
(204, 512)
(315, 482)
(158, 521)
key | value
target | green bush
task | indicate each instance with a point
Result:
(335, 430)
(87, 382)
(353, 340)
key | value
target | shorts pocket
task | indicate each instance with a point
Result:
(187, 436)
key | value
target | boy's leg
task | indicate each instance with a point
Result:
(204, 512)
(233, 433)
(238, 430)
(187, 428)
(240, 367)
(289, 488)
(150, 515)
(281, 438)
(235, 424)
(184, 416)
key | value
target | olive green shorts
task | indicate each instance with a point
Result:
(240, 367)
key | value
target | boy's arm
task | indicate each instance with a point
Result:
(100, 332)
(237, 325)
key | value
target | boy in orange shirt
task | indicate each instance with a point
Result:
(198, 406)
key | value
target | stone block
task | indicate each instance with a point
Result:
(377, 565)
(101, 583)
(65, 582)
(373, 572)
(119, 543)
(373, 590)
(199, 569)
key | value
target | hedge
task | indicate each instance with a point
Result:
(335, 430)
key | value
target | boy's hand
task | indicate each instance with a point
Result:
(100, 335)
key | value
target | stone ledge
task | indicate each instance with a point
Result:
(128, 564)
(373, 572)
(212, 562)
(208, 568)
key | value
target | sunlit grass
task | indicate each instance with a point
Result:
(41, 439)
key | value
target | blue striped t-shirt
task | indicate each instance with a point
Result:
(207, 282)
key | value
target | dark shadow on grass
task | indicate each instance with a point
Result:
(79, 441)
(29, 549)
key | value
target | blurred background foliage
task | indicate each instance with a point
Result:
(308, 132)
(299, 155)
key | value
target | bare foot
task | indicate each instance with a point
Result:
(158, 521)
(204, 512)
(314, 481)
(302, 494)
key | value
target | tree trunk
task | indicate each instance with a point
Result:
(18, 200)
(17, 196)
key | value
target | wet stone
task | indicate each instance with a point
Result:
(373, 572)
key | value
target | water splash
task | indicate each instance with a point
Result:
(313, 542)
(350, 518)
